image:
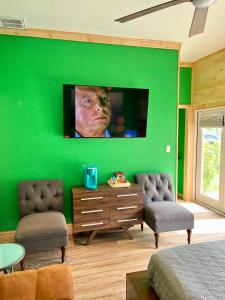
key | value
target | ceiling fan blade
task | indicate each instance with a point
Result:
(150, 10)
(198, 21)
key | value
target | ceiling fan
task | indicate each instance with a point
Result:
(198, 21)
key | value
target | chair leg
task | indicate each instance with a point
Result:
(189, 231)
(63, 249)
(156, 239)
(22, 265)
(142, 226)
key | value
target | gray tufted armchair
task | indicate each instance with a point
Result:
(42, 225)
(161, 213)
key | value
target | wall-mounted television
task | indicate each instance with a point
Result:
(100, 111)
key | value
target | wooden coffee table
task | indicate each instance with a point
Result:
(138, 288)
(10, 255)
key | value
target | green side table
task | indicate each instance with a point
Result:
(10, 255)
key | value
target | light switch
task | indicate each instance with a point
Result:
(167, 148)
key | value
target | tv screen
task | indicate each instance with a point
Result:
(99, 111)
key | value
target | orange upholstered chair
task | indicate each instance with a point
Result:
(48, 283)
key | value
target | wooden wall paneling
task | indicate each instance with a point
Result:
(202, 106)
(209, 81)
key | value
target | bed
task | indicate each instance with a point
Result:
(188, 272)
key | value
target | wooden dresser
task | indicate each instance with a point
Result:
(106, 208)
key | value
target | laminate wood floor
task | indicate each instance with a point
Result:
(99, 270)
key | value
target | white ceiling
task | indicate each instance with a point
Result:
(97, 17)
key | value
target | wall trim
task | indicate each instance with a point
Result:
(184, 64)
(184, 106)
(188, 154)
(180, 196)
(92, 38)
(10, 234)
(201, 106)
(70, 228)
(4, 234)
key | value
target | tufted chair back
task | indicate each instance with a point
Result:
(40, 196)
(156, 186)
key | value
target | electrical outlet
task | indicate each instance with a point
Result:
(168, 148)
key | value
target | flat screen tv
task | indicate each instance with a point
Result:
(99, 111)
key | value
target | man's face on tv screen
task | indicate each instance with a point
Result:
(93, 111)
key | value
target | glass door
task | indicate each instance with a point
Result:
(210, 177)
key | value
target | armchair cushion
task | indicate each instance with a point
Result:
(37, 232)
(167, 216)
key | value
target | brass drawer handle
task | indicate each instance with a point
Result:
(93, 224)
(91, 198)
(91, 211)
(126, 207)
(126, 195)
(126, 220)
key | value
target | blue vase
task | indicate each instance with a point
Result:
(90, 177)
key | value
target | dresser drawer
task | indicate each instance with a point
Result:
(126, 220)
(90, 213)
(90, 194)
(126, 211)
(91, 202)
(90, 225)
(126, 200)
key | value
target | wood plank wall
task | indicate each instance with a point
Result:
(92, 38)
(209, 81)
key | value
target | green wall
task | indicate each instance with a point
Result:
(185, 85)
(31, 115)
(184, 98)
(181, 138)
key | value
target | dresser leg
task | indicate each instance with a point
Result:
(127, 232)
(91, 237)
